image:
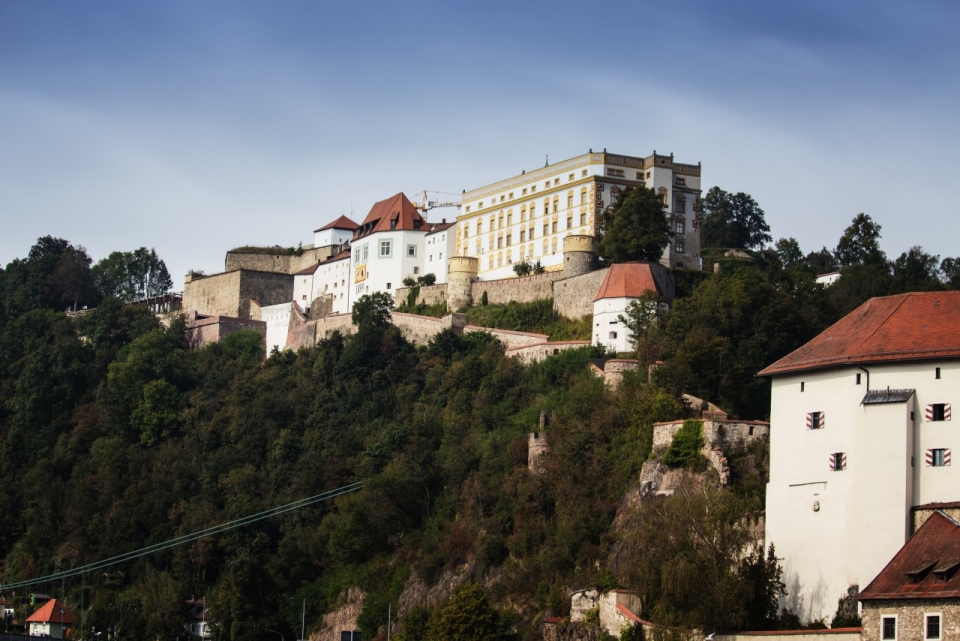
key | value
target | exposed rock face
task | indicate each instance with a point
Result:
(416, 592)
(342, 618)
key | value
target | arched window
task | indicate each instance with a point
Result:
(533, 210)
(479, 227)
(509, 257)
(554, 245)
(569, 199)
(530, 250)
(491, 261)
(546, 206)
(545, 245)
(583, 196)
(522, 254)
(509, 217)
(556, 204)
(681, 205)
(501, 222)
(479, 247)
(523, 213)
(500, 259)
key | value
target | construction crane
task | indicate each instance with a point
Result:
(426, 204)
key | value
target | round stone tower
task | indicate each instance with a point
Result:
(579, 255)
(461, 274)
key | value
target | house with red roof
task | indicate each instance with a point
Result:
(54, 619)
(860, 436)
(624, 284)
(917, 594)
(395, 242)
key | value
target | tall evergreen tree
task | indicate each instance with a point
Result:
(860, 243)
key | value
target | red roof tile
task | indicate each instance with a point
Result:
(919, 325)
(937, 545)
(340, 223)
(307, 270)
(396, 213)
(53, 611)
(627, 280)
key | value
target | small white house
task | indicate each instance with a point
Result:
(624, 283)
(277, 318)
(860, 437)
(828, 279)
(53, 619)
(337, 232)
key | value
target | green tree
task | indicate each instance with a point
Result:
(642, 315)
(522, 268)
(636, 229)
(822, 262)
(468, 616)
(71, 284)
(132, 275)
(950, 271)
(372, 310)
(916, 270)
(427, 279)
(732, 220)
(684, 449)
(157, 414)
(860, 243)
(788, 251)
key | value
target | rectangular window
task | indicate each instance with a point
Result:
(938, 457)
(509, 239)
(815, 421)
(385, 248)
(933, 626)
(411, 250)
(838, 462)
(554, 227)
(366, 253)
(858, 379)
(938, 412)
(681, 227)
(679, 246)
(583, 219)
(615, 172)
(569, 201)
(938, 373)
(388, 285)
(801, 386)
(569, 222)
(681, 181)
(479, 227)
(523, 235)
(546, 228)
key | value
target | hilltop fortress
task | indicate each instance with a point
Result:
(550, 217)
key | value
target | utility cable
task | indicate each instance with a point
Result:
(189, 538)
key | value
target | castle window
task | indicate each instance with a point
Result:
(681, 227)
(500, 260)
(583, 219)
(533, 188)
(523, 235)
(524, 192)
(554, 244)
(509, 219)
(838, 461)
(933, 627)
(618, 173)
(570, 177)
(509, 239)
(510, 196)
(386, 247)
(583, 173)
(888, 628)
(500, 223)
(499, 242)
(509, 257)
(858, 379)
(411, 250)
(490, 262)
(468, 209)
(416, 270)
(938, 457)
(613, 334)
(681, 206)
(479, 227)
(583, 196)
(569, 201)
(553, 227)
(938, 412)
(523, 213)
(681, 181)
(546, 228)
(545, 246)
(533, 210)
(937, 375)
(679, 246)
(556, 181)
(479, 247)
(569, 222)
(466, 232)
(388, 285)
(366, 253)
(522, 254)
(815, 420)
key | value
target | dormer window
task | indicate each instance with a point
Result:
(918, 573)
(416, 225)
(945, 571)
(393, 224)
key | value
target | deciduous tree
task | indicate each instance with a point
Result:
(732, 220)
(637, 229)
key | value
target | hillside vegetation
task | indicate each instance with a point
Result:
(114, 436)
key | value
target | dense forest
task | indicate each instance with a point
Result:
(114, 435)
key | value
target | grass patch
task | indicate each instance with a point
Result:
(438, 311)
(539, 317)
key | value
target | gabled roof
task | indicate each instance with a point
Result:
(340, 223)
(395, 213)
(628, 280)
(919, 325)
(53, 611)
(925, 567)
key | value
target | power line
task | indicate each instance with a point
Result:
(189, 538)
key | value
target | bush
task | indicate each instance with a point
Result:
(685, 448)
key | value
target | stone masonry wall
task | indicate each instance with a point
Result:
(276, 261)
(910, 618)
(342, 618)
(522, 290)
(722, 433)
(217, 295)
(573, 297)
(539, 351)
(429, 294)
(509, 338)
(266, 288)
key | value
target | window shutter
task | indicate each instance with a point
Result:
(928, 414)
(929, 455)
(838, 461)
(946, 411)
(821, 423)
(809, 420)
(946, 456)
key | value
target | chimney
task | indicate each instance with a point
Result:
(443, 220)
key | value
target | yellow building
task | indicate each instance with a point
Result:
(526, 217)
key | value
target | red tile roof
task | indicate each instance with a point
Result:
(925, 567)
(307, 270)
(436, 228)
(627, 280)
(53, 611)
(919, 325)
(383, 214)
(340, 223)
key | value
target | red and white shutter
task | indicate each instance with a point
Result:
(928, 413)
(810, 421)
(928, 416)
(834, 466)
(946, 457)
(929, 456)
(946, 411)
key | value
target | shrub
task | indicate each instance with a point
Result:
(685, 448)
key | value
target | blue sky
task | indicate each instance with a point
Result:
(193, 127)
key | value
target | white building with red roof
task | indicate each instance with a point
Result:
(624, 284)
(53, 619)
(860, 435)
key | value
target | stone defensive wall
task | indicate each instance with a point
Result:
(275, 259)
(428, 294)
(539, 351)
(509, 338)
(202, 330)
(573, 297)
(523, 289)
(229, 293)
(730, 433)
